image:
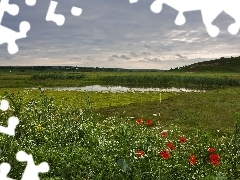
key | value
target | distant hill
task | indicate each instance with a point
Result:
(218, 65)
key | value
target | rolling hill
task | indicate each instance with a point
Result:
(218, 65)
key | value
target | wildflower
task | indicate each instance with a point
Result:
(139, 121)
(149, 122)
(183, 139)
(164, 154)
(214, 159)
(139, 153)
(192, 159)
(211, 150)
(164, 133)
(170, 146)
(39, 127)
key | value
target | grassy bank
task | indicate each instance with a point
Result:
(134, 79)
(96, 136)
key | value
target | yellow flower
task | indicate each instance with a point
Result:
(39, 127)
(112, 128)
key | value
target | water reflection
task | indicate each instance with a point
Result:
(98, 88)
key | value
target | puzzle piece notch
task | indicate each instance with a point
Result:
(76, 11)
(12, 9)
(180, 19)
(59, 19)
(209, 9)
(12, 123)
(232, 8)
(233, 28)
(4, 105)
(30, 2)
(133, 1)
(4, 170)
(11, 36)
(31, 171)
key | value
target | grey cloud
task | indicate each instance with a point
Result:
(115, 56)
(92, 33)
(156, 59)
(147, 46)
(125, 57)
(89, 58)
(75, 58)
(166, 48)
(180, 56)
(8, 58)
(110, 59)
(145, 53)
(133, 54)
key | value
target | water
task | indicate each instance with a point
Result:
(98, 88)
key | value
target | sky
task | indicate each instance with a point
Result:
(115, 34)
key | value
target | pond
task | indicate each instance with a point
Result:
(98, 88)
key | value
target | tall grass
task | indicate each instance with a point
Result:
(57, 76)
(176, 80)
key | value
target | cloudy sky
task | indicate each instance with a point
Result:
(115, 33)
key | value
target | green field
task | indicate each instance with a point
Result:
(90, 135)
(16, 79)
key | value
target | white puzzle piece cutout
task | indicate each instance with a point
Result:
(76, 11)
(59, 19)
(7, 35)
(4, 105)
(10, 130)
(31, 171)
(133, 1)
(209, 10)
(30, 2)
(11, 36)
(4, 170)
(12, 121)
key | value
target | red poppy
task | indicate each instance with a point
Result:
(139, 121)
(214, 159)
(183, 139)
(149, 122)
(192, 159)
(164, 154)
(164, 133)
(170, 146)
(139, 153)
(211, 150)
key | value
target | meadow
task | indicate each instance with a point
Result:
(132, 135)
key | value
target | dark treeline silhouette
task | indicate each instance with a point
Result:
(73, 68)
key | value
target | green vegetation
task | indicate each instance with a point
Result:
(96, 135)
(33, 78)
(56, 76)
(77, 142)
(218, 65)
(174, 80)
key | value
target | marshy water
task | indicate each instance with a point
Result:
(98, 88)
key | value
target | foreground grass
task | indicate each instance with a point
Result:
(100, 143)
(210, 111)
